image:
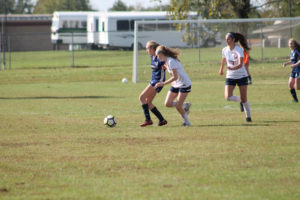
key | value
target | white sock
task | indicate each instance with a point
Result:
(234, 98)
(185, 118)
(247, 109)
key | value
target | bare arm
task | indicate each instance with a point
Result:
(222, 66)
(173, 77)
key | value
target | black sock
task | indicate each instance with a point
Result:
(293, 93)
(157, 114)
(146, 112)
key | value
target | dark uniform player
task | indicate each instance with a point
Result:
(295, 65)
(147, 96)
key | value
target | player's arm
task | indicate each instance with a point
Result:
(286, 63)
(296, 64)
(222, 66)
(173, 77)
(240, 64)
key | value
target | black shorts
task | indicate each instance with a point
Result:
(239, 82)
(156, 89)
(181, 90)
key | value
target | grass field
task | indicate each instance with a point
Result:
(53, 144)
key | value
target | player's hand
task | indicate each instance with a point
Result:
(221, 72)
(283, 65)
(159, 84)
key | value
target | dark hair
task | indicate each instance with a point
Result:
(152, 44)
(296, 44)
(173, 53)
(238, 37)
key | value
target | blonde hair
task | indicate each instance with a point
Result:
(152, 44)
(173, 53)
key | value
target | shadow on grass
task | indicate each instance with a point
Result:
(56, 97)
(231, 125)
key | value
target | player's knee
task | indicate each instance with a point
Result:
(168, 104)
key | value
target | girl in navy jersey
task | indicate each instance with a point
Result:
(236, 74)
(147, 96)
(181, 83)
(295, 65)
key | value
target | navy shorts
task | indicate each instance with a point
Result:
(295, 74)
(181, 90)
(156, 89)
(239, 82)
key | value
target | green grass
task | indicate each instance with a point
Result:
(54, 145)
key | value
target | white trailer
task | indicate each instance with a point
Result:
(116, 29)
(69, 27)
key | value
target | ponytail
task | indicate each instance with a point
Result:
(238, 37)
(173, 53)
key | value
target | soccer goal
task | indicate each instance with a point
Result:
(262, 33)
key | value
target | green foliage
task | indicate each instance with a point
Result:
(7, 6)
(49, 6)
(119, 5)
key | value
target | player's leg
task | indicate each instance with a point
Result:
(180, 100)
(292, 82)
(144, 97)
(245, 103)
(169, 102)
(229, 93)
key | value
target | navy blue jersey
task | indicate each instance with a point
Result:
(158, 72)
(295, 57)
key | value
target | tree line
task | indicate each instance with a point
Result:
(178, 9)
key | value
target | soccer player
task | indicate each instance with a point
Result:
(180, 82)
(295, 65)
(236, 74)
(147, 96)
(246, 64)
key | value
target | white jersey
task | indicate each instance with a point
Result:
(232, 60)
(183, 79)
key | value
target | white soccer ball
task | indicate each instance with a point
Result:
(124, 80)
(110, 121)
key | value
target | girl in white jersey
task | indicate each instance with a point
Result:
(236, 74)
(180, 82)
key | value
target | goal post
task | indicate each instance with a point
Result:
(260, 32)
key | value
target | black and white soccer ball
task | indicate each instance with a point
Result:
(110, 121)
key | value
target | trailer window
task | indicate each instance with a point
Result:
(103, 29)
(132, 25)
(97, 25)
(122, 25)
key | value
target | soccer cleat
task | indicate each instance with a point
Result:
(241, 107)
(186, 107)
(248, 119)
(161, 123)
(186, 124)
(146, 123)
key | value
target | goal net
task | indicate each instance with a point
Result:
(198, 36)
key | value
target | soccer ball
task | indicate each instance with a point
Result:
(110, 121)
(124, 80)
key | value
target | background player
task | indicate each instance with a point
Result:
(236, 74)
(295, 65)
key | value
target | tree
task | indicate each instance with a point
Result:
(7, 6)
(280, 8)
(49, 6)
(119, 5)
(24, 7)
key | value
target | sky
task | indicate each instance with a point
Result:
(104, 5)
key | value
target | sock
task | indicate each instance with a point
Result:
(234, 98)
(185, 118)
(247, 109)
(157, 114)
(294, 95)
(146, 112)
